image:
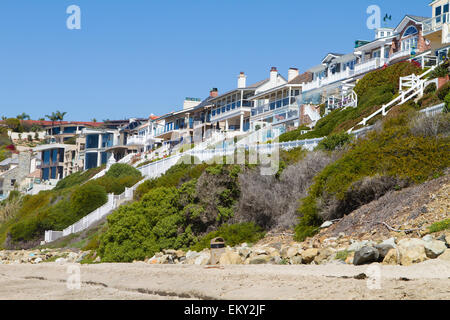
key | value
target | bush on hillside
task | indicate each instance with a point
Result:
(431, 88)
(443, 91)
(119, 170)
(87, 198)
(77, 178)
(394, 152)
(334, 141)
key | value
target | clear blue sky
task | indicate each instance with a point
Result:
(133, 58)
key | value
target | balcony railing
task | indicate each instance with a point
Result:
(229, 108)
(359, 68)
(274, 105)
(435, 23)
(136, 140)
(400, 54)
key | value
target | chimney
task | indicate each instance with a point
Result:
(273, 75)
(292, 74)
(242, 81)
(214, 93)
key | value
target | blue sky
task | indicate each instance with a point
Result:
(133, 58)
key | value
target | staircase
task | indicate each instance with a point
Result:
(346, 100)
(410, 87)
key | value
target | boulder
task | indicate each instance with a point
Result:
(309, 255)
(291, 252)
(435, 248)
(61, 260)
(411, 251)
(37, 260)
(358, 245)
(261, 259)
(445, 256)
(323, 256)
(244, 252)
(154, 260)
(296, 260)
(230, 258)
(366, 255)
(428, 238)
(203, 259)
(326, 224)
(383, 249)
(392, 257)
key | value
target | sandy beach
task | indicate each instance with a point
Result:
(48, 281)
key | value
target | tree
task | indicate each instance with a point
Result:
(23, 116)
(94, 120)
(60, 115)
(53, 117)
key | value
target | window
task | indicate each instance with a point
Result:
(409, 44)
(410, 31)
(376, 54)
(437, 14)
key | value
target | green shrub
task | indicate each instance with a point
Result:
(439, 226)
(440, 72)
(233, 235)
(87, 198)
(394, 152)
(334, 141)
(119, 170)
(443, 91)
(447, 103)
(431, 88)
(77, 178)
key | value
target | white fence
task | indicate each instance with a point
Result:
(158, 168)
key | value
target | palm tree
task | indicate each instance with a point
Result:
(94, 120)
(23, 116)
(53, 117)
(60, 115)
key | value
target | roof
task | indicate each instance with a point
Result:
(417, 18)
(35, 174)
(301, 78)
(47, 123)
(251, 87)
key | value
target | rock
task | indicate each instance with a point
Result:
(428, 238)
(97, 260)
(445, 256)
(180, 254)
(259, 251)
(326, 224)
(323, 256)
(230, 258)
(244, 252)
(391, 241)
(61, 260)
(411, 251)
(192, 255)
(383, 249)
(434, 248)
(276, 260)
(261, 259)
(203, 259)
(37, 260)
(154, 260)
(290, 252)
(296, 260)
(309, 255)
(81, 257)
(392, 257)
(358, 245)
(366, 255)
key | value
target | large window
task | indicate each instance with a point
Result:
(409, 44)
(92, 141)
(410, 31)
(91, 160)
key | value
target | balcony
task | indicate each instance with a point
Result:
(435, 24)
(136, 140)
(401, 54)
(274, 105)
(359, 69)
(230, 109)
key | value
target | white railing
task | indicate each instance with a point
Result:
(400, 54)
(359, 69)
(418, 86)
(435, 24)
(431, 111)
(136, 140)
(344, 101)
